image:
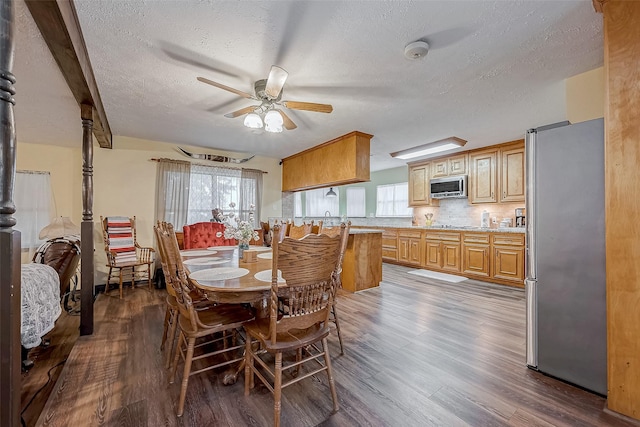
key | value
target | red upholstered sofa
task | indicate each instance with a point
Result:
(204, 235)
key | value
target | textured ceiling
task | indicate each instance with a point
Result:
(495, 69)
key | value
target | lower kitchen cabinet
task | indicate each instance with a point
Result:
(390, 245)
(476, 248)
(442, 251)
(409, 247)
(508, 258)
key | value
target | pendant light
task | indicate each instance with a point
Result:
(331, 193)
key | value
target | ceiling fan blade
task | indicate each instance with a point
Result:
(230, 89)
(241, 112)
(275, 81)
(308, 106)
(287, 122)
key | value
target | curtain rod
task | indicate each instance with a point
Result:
(163, 159)
(34, 172)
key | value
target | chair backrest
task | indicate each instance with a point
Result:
(119, 234)
(309, 266)
(175, 274)
(204, 235)
(316, 228)
(336, 231)
(61, 254)
(299, 231)
(267, 237)
(283, 231)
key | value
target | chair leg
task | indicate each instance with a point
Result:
(296, 370)
(185, 376)
(332, 385)
(106, 287)
(121, 294)
(248, 366)
(337, 322)
(133, 277)
(167, 321)
(176, 357)
(277, 390)
(173, 346)
(149, 275)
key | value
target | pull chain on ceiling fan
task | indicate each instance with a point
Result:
(269, 93)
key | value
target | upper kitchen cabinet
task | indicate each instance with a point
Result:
(512, 176)
(448, 166)
(419, 176)
(344, 160)
(483, 180)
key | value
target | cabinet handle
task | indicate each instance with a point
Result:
(504, 194)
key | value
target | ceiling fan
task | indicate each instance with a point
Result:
(269, 93)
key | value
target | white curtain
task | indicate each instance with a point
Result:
(172, 192)
(356, 206)
(318, 203)
(250, 194)
(35, 207)
(393, 200)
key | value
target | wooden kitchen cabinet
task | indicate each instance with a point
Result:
(409, 243)
(476, 248)
(512, 182)
(419, 176)
(442, 251)
(508, 257)
(483, 180)
(449, 166)
(390, 245)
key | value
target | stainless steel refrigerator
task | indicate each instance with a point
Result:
(565, 284)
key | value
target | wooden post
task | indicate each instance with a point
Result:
(9, 238)
(86, 228)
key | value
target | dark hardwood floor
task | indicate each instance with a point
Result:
(418, 352)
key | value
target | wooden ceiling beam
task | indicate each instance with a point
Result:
(58, 23)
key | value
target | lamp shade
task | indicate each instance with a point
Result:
(253, 121)
(274, 119)
(331, 193)
(60, 226)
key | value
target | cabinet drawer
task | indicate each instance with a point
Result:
(388, 253)
(451, 237)
(389, 242)
(476, 238)
(411, 234)
(508, 239)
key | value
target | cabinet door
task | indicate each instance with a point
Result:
(508, 263)
(414, 251)
(475, 260)
(451, 256)
(458, 165)
(483, 177)
(512, 180)
(432, 256)
(440, 168)
(403, 249)
(419, 185)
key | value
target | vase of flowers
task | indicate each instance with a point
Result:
(242, 231)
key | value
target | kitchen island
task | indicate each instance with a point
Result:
(362, 264)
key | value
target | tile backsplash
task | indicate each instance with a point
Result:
(460, 212)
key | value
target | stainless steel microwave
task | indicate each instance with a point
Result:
(449, 187)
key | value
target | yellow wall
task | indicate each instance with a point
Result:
(585, 96)
(124, 181)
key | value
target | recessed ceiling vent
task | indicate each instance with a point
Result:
(416, 50)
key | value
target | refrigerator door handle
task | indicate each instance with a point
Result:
(531, 288)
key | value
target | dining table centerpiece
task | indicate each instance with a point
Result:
(242, 231)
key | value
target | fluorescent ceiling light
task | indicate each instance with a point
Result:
(446, 144)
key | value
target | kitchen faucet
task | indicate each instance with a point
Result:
(327, 214)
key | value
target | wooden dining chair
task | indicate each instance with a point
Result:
(283, 230)
(125, 257)
(299, 231)
(298, 314)
(335, 231)
(316, 228)
(194, 323)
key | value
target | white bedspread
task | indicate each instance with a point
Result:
(40, 302)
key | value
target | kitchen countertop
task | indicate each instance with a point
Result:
(363, 230)
(517, 230)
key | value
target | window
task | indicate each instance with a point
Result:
(356, 206)
(34, 208)
(393, 200)
(211, 188)
(318, 203)
(297, 204)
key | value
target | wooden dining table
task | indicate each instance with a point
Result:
(244, 289)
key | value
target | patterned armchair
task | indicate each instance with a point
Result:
(204, 235)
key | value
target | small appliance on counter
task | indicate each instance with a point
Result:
(484, 219)
(520, 217)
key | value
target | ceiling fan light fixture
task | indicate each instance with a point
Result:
(253, 121)
(446, 144)
(273, 127)
(273, 118)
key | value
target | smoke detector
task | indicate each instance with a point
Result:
(416, 50)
